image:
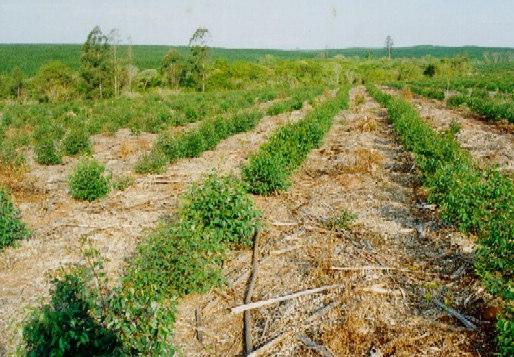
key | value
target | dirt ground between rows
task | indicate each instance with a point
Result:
(114, 224)
(487, 143)
(375, 311)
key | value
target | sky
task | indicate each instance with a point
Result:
(286, 24)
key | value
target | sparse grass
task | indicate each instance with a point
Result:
(122, 183)
(342, 221)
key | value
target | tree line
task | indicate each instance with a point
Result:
(105, 71)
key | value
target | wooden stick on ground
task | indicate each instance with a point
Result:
(365, 267)
(248, 299)
(468, 324)
(199, 332)
(258, 304)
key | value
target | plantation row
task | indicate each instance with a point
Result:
(181, 256)
(492, 108)
(170, 148)
(270, 168)
(55, 130)
(476, 201)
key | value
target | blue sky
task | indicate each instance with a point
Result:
(265, 23)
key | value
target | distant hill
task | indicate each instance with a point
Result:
(29, 57)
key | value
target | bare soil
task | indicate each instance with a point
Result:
(398, 255)
(114, 224)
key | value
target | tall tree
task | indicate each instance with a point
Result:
(172, 68)
(389, 45)
(114, 39)
(96, 65)
(199, 56)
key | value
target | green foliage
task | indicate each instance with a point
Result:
(76, 141)
(96, 65)
(196, 141)
(295, 102)
(88, 181)
(12, 228)
(429, 70)
(478, 201)
(46, 152)
(433, 93)
(152, 162)
(65, 326)
(505, 330)
(55, 82)
(269, 169)
(221, 205)
(180, 257)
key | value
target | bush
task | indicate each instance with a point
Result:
(88, 182)
(11, 227)
(221, 205)
(76, 141)
(46, 152)
(65, 327)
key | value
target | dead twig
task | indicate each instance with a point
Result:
(248, 299)
(262, 303)
(199, 332)
(468, 324)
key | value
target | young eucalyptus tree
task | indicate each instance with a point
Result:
(199, 56)
(96, 65)
(389, 45)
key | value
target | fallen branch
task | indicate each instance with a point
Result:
(262, 303)
(366, 267)
(248, 299)
(468, 324)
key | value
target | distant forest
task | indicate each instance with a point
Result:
(29, 57)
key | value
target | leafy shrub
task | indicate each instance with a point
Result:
(429, 70)
(76, 141)
(88, 182)
(221, 205)
(269, 169)
(46, 152)
(11, 227)
(65, 327)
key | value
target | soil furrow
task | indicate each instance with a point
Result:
(361, 169)
(114, 224)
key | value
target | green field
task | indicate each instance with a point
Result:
(29, 57)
